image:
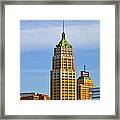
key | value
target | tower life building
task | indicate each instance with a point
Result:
(84, 83)
(63, 75)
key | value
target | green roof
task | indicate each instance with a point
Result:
(63, 42)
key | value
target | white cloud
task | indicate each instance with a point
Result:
(35, 70)
(47, 37)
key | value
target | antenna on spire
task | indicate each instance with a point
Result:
(84, 67)
(63, 25)
(63, 34)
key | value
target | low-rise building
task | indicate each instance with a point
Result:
(33, 96)
(26, 96)
(95, 93)
(41, 97)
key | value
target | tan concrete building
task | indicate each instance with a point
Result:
(84, 83)
(63, 75)
(41, 97)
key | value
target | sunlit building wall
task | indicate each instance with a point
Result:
(63, 75)
(84, 83)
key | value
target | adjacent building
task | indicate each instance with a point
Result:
(63, 75)
(84, 83)
(95, 93)
(26, 96)
(33, 96)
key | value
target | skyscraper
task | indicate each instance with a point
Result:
(63, 75)
(84, 83)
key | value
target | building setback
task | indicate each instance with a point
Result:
(63, 75)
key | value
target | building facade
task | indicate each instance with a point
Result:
(84, 83)
(95, 93)
(33, 96)
(41, 97)
(26, 96)
(63, 75)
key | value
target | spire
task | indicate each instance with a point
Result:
(84, 67)
(63, 25)
(63, 42)
(63, 34)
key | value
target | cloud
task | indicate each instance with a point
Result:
(40, 37)
(35, 71)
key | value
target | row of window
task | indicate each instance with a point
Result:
(65, 62)
(66, 97)
(58, 98)
(56, 73)
(58, 84)
(64, 80)
(64, 68)
(68, 87)
(63, 65)
(56, 76)
(68, 52)
(67, 49)
(67, 67)
(56, 79)
(65, 59)
(56, 87)
(67, 73)
(63, 54)
(67, 55)
(69, 82)
(63, 51)
(70, 78)
(65, 85)
(68, 92)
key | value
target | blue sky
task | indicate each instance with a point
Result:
(38, 39)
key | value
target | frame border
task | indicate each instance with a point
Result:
(62, 2)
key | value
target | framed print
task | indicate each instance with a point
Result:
(60, 60)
